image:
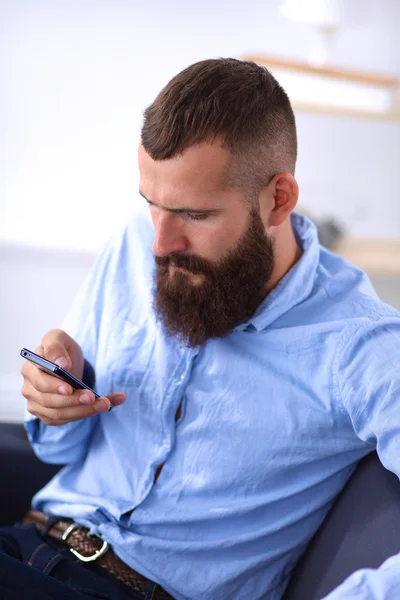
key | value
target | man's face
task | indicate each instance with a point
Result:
(212, 254)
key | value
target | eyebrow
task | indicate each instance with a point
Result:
(185, 210)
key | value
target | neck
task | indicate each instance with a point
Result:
(287, 253)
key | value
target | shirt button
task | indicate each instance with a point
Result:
(182, 377)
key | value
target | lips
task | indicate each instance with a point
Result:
(179, 268)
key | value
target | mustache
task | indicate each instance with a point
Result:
(195, 264)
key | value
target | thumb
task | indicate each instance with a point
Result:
(117, 398)
(57, 353)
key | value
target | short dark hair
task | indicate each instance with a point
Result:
(238, 102)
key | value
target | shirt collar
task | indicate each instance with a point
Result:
(297, 284)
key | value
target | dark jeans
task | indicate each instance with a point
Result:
(36, 567)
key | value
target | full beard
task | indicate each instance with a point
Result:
(209, 299)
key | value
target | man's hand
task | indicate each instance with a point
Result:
(52, 400)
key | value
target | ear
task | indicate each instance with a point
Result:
(284, 192)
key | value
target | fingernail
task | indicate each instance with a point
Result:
(62, 390)
(119, 396)
(61, 361)
(85, 399)
(100, 406)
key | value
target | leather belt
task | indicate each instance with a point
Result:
(89, 548)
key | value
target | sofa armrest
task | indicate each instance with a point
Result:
(361, 530)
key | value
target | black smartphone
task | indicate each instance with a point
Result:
(54, 369)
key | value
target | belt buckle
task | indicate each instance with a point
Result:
(94, 556)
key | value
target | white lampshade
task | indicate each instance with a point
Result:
(315, 12)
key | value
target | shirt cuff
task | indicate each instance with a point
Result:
(89, 375)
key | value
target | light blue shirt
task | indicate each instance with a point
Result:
(274, 418)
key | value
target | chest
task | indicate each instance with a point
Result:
(240, 409)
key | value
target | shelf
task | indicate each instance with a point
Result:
(335, 91)
(340, 73)
(373, 255)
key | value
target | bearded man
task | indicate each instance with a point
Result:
(249, 370)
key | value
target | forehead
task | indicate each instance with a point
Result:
(201, 172)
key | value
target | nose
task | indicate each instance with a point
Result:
(169, 237)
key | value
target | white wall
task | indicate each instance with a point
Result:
(37, 287)
(78, 75)
(75, 80)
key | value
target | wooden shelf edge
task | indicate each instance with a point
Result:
(346, 112)
(365, 77)
(375, 256)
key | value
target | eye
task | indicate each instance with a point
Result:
(197, 217)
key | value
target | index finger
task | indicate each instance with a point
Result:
(43, 381)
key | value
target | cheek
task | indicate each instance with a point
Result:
(214, 243)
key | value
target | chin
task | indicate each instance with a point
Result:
(196, 280)
(186, 277)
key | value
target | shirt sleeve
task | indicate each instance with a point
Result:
(368, 384)
(63, 444)
(366, 584)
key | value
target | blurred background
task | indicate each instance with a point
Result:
(75, 78)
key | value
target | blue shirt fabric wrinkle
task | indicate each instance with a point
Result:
(274, 418)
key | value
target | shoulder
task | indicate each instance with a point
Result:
(366, 364)
(351, 297)
(347, 291)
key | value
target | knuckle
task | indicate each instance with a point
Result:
(56, 332)
(73, 400)
(25, 370)
(24, 390)
(27, 388)
(47, 336)
(54, 336)
(56, 415)
(28, 391)
(103, 407)
(30, 408)
(45, 402)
